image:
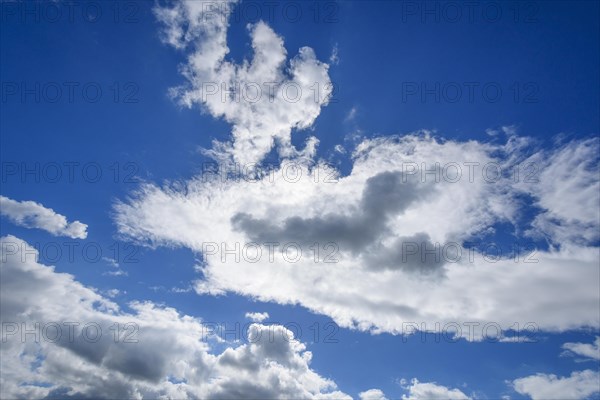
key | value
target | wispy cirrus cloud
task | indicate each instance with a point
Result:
(567, 190)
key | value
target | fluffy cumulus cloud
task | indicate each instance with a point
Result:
(257, 316)
(403, 240)
(432, 391)
(587, 350)
(264, 98)
(385, 245)
(30, 214)
(579, 385)
(372, 394)
(62, 339)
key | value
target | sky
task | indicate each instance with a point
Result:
(357, 199)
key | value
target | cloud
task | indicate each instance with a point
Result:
(264, 98)
(334, 58)
(257, 317)
(384, 196)
(580, 385)
(30, 214)
(372, 394)
(566, 186)
(585, 349)
(158, 352)
(351, 115)
(388, 243)
(340, 149)
(117, 272)
(432, 391)
(111, 261)
(112, 293)
(397, 221)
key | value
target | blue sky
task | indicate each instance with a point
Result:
(511, 83)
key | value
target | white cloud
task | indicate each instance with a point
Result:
(334, 58)
(30, 214)
(159, 353)
(372, 394)
(370, 214)
(181, 289)
(569, 192)
(588, 350)
(117, 272)
(111, 261)
(368, 218)
(432, 391)
(112, 293)
(340, 149)
(257, 317)
(351, 114)
(272, 96)
(580, 385)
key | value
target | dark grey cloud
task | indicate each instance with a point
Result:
(415, 253)
(386, 195)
